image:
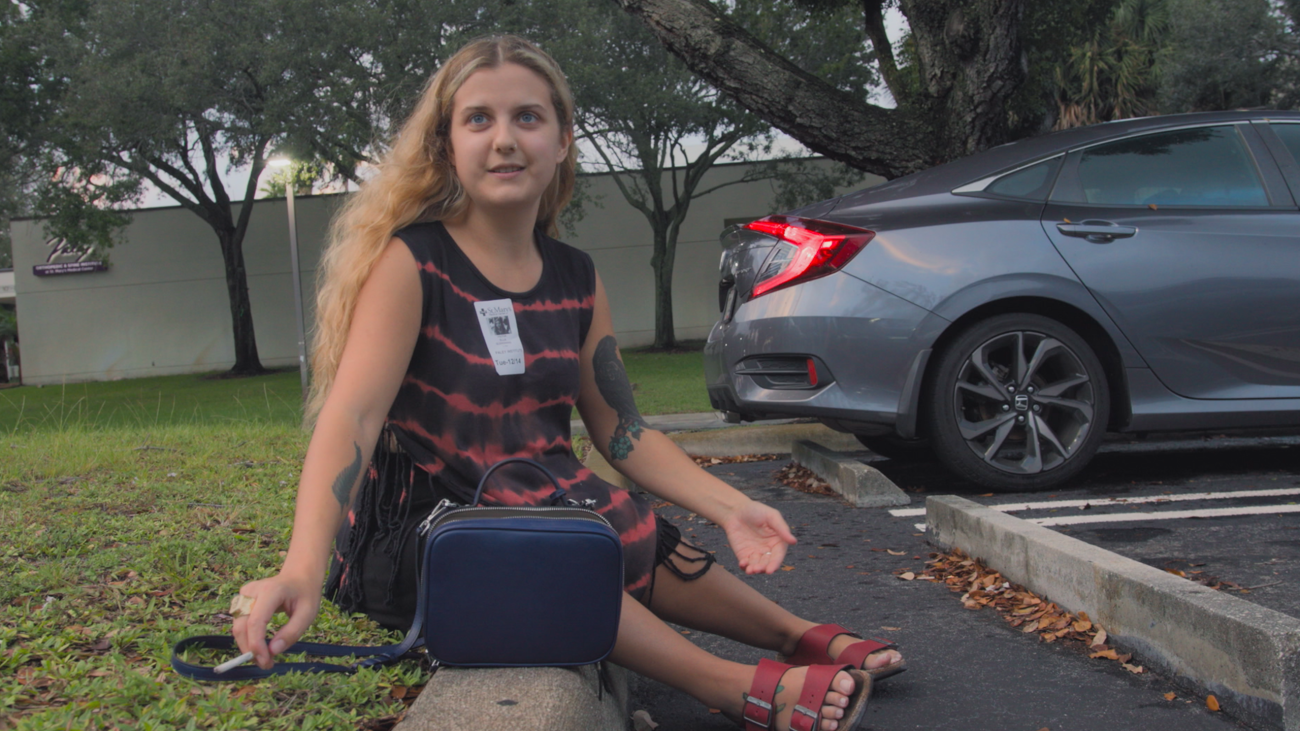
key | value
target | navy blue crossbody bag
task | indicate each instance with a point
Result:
(499, 586)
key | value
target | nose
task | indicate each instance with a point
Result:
(504, 142)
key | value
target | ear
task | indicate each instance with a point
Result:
(566, 141)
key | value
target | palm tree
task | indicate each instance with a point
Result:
(1112, 75)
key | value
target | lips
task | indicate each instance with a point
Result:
(506, 169)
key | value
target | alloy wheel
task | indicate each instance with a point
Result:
(1024, 402)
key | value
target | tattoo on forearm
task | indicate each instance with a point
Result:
(347, 479)
(612, 381)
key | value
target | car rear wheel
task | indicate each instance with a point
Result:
(1018, 402)
(896, 448)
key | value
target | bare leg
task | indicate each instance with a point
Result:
(648, 646)
(721, 604)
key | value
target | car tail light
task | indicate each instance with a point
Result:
(809, 249)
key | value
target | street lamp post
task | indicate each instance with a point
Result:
(297, 278)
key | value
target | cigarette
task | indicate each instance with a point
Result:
(232, 664)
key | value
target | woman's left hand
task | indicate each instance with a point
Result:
(759, 536)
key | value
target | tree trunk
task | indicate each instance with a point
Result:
(662, 263)
(970, 63)
(241, 310)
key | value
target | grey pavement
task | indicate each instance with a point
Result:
(969, 670)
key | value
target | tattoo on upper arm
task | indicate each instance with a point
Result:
(347, 478)
(612, 381)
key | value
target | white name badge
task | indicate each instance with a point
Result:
(501, 332)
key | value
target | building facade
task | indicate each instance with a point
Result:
(159, 305)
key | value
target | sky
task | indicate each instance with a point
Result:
(236, 178)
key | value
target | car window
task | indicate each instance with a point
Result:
(1290, 134)
(1205, 166)
(1032, 182)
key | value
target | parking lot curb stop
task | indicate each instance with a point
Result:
(861, 484)
(1245, 654)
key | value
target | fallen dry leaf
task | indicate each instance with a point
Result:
(1105, 655)
(1212, 703)
(895, 553)
(1136, 669)
(787, 568)
(803, 479)
(1169, 696)
(907, 576)
(398, 692)
(890, 629)
(1100, 639)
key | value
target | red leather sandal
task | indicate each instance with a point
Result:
(760, 715)
(815, 642)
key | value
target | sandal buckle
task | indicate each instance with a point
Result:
(806, 712)
(762, 704)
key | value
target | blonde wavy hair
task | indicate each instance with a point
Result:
(416, 182)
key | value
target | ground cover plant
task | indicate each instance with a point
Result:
(665, 382)
(119, 542)
(132, 511)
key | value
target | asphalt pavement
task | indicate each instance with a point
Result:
(969, 670)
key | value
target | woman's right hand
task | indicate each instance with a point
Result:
(296, 596)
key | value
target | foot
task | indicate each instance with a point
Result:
(874, 661)
(788, 691)
(831, 643)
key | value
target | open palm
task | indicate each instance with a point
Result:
(759, 536)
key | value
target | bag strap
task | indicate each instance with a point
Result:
(559, 491)
(381, 655)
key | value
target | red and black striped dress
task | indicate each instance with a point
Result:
(454, 417)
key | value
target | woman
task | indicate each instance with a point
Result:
(452, 334)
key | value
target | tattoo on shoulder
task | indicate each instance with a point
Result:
(612, 381)
(347, 478)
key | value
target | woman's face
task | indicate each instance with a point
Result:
(506, 140)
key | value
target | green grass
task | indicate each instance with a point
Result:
(132, 511)
(116, 543)
(668, 383)
(154, 402)
(664, 383)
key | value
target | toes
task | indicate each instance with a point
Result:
(883, 658)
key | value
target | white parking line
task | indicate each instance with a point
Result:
(1049, 505)
(1166, 515)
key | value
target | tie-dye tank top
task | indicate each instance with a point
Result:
(455, 416)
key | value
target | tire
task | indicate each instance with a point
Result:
(1017, 423)
(896, 448)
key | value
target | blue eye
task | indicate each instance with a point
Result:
(528, 118)
(478, 118)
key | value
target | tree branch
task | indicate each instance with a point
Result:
(826, 119)
(634, 201)
(873, 22)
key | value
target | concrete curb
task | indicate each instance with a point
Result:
(861, 484)
(508, 699)
(760, 439)
(1245, 654)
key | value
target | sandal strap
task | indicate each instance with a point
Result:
(856, 653)
(816, 685)
(759, 711)
(815, 643)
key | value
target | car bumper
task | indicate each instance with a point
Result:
(867, 339)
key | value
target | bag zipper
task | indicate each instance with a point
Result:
(447, 511)
(442, 507)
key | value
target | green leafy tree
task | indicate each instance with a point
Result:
(176, 93)
(1112, 75)
(1227, 54)
(656, 128)
(304, 175)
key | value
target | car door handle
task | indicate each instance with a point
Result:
(1098, 232)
